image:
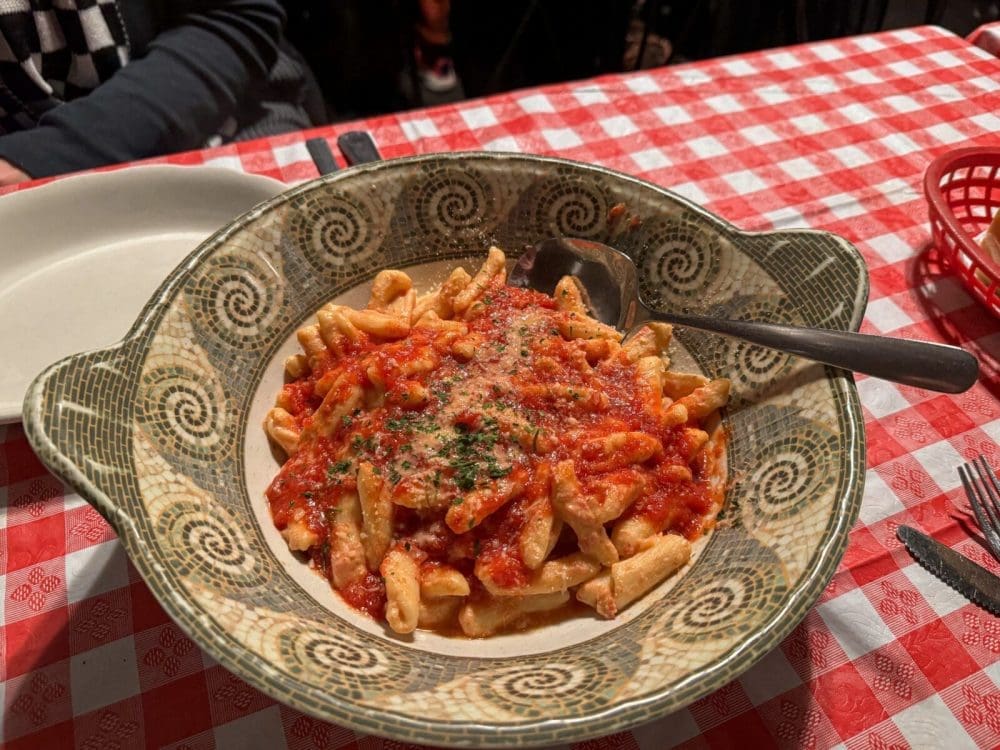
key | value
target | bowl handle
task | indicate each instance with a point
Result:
(839, 290)
(77, 417)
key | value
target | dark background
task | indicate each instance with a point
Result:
(361, 50)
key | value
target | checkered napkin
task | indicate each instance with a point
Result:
(53, 51)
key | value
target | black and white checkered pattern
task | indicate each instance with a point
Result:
(53, 51)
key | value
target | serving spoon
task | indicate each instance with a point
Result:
(611, 281)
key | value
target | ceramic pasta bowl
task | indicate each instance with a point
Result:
(162, 434)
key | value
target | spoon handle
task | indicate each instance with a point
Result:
(937, 367)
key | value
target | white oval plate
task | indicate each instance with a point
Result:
(81, 256)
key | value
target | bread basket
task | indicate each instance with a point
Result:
(963, 195)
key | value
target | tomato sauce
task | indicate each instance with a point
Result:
(304, 483)
(480, 423)
(500, 549)
(367, 595)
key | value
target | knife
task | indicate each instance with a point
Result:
(358, 147)
(972, 581)
(321, 155)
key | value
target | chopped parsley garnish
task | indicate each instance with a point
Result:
(466, 474)
(496, 472)
(411, 423)
(363, 444)
(338, 468)
(470, 454)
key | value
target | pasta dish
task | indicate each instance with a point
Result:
(477, 457)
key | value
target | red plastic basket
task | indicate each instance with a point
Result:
(963, 195)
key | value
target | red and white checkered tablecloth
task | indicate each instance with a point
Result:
(987, 37)
(834, 135)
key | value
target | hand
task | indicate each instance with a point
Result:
(11, 175)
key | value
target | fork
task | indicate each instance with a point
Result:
(983, 490)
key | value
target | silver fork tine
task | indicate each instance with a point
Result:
(972, 492)
(986, 496)
(987, 523)
(989, 480)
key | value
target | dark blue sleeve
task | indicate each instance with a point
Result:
(191, 79)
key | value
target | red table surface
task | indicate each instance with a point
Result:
(832, 135)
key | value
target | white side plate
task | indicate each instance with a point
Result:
(81, 256)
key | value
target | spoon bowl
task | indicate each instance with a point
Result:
(609, 277)
(611, 281)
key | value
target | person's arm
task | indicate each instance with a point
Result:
(10, 175)
(192, 78)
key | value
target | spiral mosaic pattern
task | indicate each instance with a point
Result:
(680, 263)
(531, 690)
(237, 297)
(756, 365)
(454, 205)
(529, 685)
(186, 377)
(792, 474)
(336, 233)
(340, 653)
(571, 207)
(209, 547)
(721, 608)
(185, 411)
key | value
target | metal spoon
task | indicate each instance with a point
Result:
(612, 283)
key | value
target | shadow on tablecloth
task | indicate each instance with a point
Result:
(955, 315)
